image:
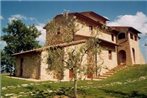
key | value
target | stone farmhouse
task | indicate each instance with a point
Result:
(121, 47)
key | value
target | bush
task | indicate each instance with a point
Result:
(62, 91)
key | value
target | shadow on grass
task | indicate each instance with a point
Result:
(132, 94)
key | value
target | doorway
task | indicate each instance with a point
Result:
(71, 73)
(122, 57)
(21, 67)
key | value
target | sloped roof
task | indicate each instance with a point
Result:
(102, 40)
(125, 27)
(63, 45)
(47, 47)
(91, 12)
(84, 16)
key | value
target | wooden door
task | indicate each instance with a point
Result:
(21, 67)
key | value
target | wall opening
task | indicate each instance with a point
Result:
(136, 37)
(71, 73)
(122, 57)
(131, 35)
(91, 62)
(112, 37)
(133, 51)
(121, 36)
(21, 66)
(110, 54)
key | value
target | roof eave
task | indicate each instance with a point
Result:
(51, 46)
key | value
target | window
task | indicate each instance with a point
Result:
(133, 51)
(136, 38)
(58, 31)
(71, 73)
(112, 37)
(110, 55)
(121, 36)
(50, 61)
(90, 28)
(131, 35)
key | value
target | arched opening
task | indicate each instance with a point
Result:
(121, 57)
(121, 36)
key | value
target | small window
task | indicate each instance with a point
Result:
(50, 62)
(110, 55)
(58, 31)
(133, 51)
(136, 38)
(121, 36)
(112, 37)
(131, 35)
(90, 28)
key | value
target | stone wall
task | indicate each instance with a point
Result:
(35, 64)
(58, 36)
(83, 27)
(83, 63)
(30, 65)
(107, 63)
(46, 72)
(134, 44)
(103, 61)
(102, 34)
(127, 44)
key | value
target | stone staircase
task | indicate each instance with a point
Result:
(111, 72)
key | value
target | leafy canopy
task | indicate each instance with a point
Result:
(20, 37)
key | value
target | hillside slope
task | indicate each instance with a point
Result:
(131, 82)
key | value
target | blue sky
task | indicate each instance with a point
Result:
(40, 12)
(47, 9)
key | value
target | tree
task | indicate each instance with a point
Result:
(18, 37)
(5, 62)
(74, 57)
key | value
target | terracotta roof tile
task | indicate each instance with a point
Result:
(47, 47)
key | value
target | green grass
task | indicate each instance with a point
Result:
(137, 88)
(8, 81)
(131, 72)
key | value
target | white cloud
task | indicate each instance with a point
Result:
(138, 21)
(2, 44)
(42, 37)
(16, 17)
(1, 17)
(32, 18)
(21, 17)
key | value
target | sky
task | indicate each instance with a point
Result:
(130, 13)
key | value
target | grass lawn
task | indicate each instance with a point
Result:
(8, 81)
(128, 83)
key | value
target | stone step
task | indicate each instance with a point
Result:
(102, 78)
(105, 75)
(110, 72)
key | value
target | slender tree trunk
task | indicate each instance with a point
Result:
(75, 83)
(96, 64)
